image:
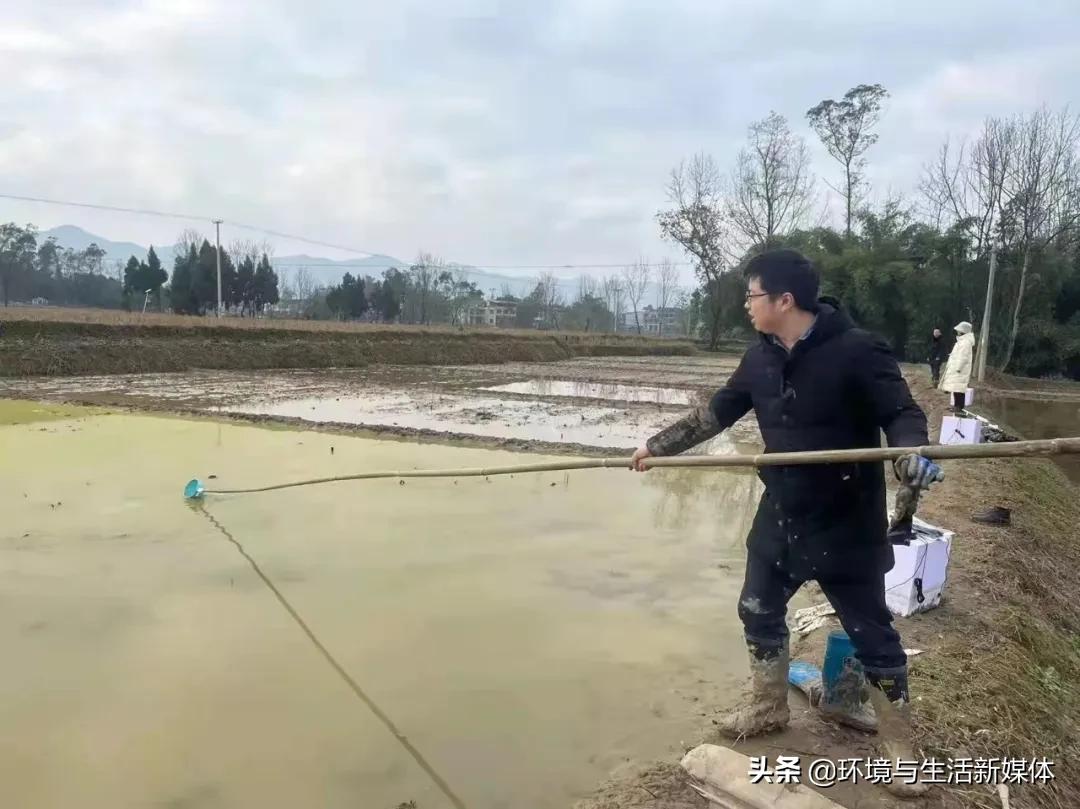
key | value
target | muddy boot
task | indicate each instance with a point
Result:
(845, 701)
(766, 708)
(889, 692)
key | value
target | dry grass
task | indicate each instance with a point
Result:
(116, 317)
(1002, 675)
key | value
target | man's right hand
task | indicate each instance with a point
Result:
(640, 455)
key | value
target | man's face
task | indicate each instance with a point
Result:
(937, 332)
(766, 313)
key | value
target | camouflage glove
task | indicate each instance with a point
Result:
(916, 471)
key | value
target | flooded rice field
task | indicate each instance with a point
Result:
(593, 403)
(523, 635)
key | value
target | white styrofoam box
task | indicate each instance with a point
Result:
(922, 566)
(969, 397)
(957, 430)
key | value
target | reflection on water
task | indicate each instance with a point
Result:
(526, 634)
(1037, 418)
(596, 390)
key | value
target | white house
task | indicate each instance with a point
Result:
(666, 321)
(491, 313)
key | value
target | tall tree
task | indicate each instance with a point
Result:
(50, 258)
(613, 298)
(667, 276)
(245, 285)
(266, 285)
(963, 186)
(423, 274)
(1042, 194)
(845, 128)
(155, 276)
(18, 247)
(132, 277)
(636, 279)
(550, 298)
(771, 185)
(183, 297)
(696, 222)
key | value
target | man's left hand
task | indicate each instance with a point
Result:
(915, 470)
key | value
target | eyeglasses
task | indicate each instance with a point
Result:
(750, 295)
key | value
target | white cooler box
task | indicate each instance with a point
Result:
(957, 430)
(921, 567)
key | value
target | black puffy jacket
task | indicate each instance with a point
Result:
(836, 389)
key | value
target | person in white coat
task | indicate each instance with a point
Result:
(958, 369)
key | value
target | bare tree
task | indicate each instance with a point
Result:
(667, 276)
(964, 186)
(188, 238)
(587, 287)
(304, 285)
(1042, 193)
(613, 298)
(772, 188)
(696, 222)
(635, 280)
(551, 298)
(845, 129)
(424, 273)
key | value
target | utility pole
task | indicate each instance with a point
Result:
(217, 228)
(984, 332)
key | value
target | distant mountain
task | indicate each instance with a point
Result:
(78, 239)
(326, 271)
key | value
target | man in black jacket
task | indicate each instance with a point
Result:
(936, 357)
(815, 382)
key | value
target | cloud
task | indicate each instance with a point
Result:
(483, 130)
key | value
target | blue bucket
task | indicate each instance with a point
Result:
(838, 651)
(194, 490)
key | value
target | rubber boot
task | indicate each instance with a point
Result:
(846, 703)
(889, 692)
(766, 708)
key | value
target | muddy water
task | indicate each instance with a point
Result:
(596, 390)
(1037, 418)
(526, 634)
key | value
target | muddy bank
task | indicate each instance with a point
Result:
(50, 348)
(1000, 662)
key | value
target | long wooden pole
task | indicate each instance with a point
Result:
(1013, 449)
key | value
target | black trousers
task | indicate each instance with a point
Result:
(935, 371)
(859, 604)
(958, 401)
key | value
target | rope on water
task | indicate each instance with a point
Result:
(440, 782)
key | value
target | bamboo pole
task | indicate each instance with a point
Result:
(1014, 449)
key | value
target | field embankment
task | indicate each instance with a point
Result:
(70, 342)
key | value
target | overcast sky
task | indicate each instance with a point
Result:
(487, 132)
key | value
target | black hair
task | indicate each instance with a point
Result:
(786, 270)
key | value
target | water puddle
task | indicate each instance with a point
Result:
(526, 634)
(1037, 417)
(595, 390)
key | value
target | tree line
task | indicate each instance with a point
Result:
(431, 291)
(31, 269)
(902, 266)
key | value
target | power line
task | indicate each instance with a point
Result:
(189, 217)
(306, 240)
